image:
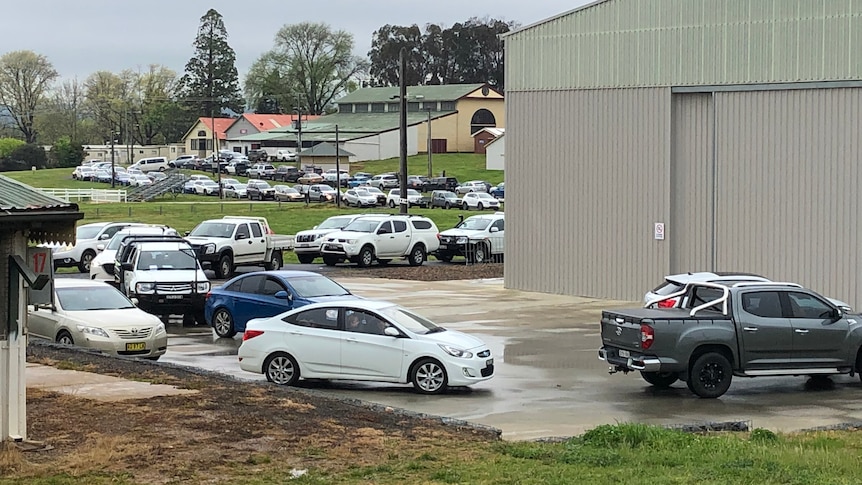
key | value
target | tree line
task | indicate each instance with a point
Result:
(309, 66)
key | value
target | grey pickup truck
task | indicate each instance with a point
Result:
(746, 330)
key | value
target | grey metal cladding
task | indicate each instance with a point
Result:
(788, 184)
(587, 175)
(628, 43)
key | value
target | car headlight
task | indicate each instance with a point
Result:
(145, 287)
(160, 329)
(209, 248)
(350, 241)
(203, 286)
(461, 240)
(455, 351)
(92, 331)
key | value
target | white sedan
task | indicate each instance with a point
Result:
(96, 315)
(136, 180)
(480, 201)
(364, 340)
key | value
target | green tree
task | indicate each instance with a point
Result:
(211, 84)
(66, 153)
(309, 66)
(29, 155)
(468, 52)
(25, 78)
(62, 113)
(8, 145)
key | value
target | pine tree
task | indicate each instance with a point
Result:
(210, 84)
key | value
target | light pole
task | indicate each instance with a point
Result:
(298, 126)
(113, 173)
(402, 90)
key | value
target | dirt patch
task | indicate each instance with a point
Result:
(228, 424)
(426, 272)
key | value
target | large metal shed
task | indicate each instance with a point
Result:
(734, 124)
(26, 216)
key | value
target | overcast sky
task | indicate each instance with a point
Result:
(85, 36)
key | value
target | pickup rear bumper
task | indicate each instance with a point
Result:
(642, 363)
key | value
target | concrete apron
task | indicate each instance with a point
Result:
(95, 386)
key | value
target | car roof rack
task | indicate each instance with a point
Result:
(767, 283)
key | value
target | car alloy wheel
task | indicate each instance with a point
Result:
(86, 259)
(223, 323)
(281, 369)
(65, 339)
(429, 377)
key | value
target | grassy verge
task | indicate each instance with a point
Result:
(628, 453)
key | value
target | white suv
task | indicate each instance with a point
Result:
(307, 246)
(384, 181)
(382, 238)
(414, 198)
(87, 238)
(478, 238)
(102, 266)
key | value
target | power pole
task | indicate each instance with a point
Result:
(402, 68)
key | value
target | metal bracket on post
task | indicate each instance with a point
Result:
(19, 266)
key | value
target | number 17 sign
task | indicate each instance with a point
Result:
(41, 262)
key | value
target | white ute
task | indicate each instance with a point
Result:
(225, 243)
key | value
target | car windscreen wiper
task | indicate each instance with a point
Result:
(435, 330)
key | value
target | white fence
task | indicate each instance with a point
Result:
(93, 195)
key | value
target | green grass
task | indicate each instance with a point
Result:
(611, 454)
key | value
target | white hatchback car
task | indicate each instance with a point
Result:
(96, 315)
(365, 340)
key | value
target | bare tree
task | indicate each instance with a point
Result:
(25, 79)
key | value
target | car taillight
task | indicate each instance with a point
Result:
(667, 303)
(647, 336)
(250, 334)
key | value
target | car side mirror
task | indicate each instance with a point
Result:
(391, 331)
(127, 266)
(103, 237)
(135, 301)
(187, 233)
(495, 229)
(837, 314)
(240, 237)
(283, 295)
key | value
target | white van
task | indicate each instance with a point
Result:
(153, 164)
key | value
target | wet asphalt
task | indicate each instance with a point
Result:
(548, 380)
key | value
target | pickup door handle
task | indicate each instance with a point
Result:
(801, 330)
(750, 329)
(249, 242)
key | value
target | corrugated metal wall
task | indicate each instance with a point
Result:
(690, 231)
(647, 43)
(789, 187)
(587, 174)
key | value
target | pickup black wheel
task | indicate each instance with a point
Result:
(417, 255)
(305, 258)
(480, 206)
(428, 377)
(86, 258)
(446, 206)
(223, 323)
(465, 207)
(281, 369)
(710, 375)
(330, 260)
(275, 262)
(366, 257)
(662, 380)
(225, 267)
(479, 254)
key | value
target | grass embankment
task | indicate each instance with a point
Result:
(612, 454)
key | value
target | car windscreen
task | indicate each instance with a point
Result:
(411, 321)
(412, 192)
(334, 223)
(183, 259)
(92, 298)
(213, 229)
(474, 223)
(316, 286)
(87, 232)
(361, 226)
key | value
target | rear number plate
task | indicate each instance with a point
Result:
(625, 353)
(137, 346)
(489, 362)
(174, 297)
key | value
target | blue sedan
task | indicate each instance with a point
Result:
(265, 294)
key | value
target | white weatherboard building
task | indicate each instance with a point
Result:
(737, 124)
